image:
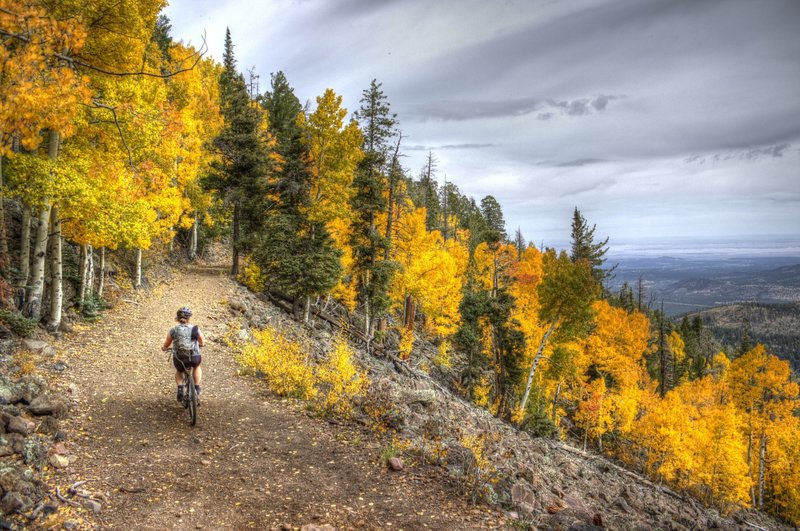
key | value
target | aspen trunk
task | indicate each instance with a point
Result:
(102, 283)
(761, 462)
(307, 309)
(4, 257)
(89, 271)
(82, 267)
(138, 281)
(555, 402)
(235, 264)
(33, 304)
(535, 363)
(56, 271)
(193, 242)
(25, 248)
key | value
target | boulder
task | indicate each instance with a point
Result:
(522, 493)
(45, 405)
(396, 464)
(58, 461)
(15, 502)
(426, 397)
(20, 425)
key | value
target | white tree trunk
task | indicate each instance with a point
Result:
(307, 309)
(535, 363)
(138, 280)
(3, 233)
(25, 248)
(83, 266)
(33, 304)
(193, 244)
(56, 272)
(102, 272)
(761, 464)
(89, 271)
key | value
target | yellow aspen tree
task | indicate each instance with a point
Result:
(761, 386)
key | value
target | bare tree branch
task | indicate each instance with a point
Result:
(113, 110)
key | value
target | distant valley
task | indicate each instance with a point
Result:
(725, 292)
(687, 284)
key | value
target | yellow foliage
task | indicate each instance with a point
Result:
(442, 358)
(482, 391)
(339, 380)
(406, 342)
(282, 361)
(251, 276)
(430, 271)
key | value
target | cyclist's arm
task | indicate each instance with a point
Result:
(167, 343)
(200, 340)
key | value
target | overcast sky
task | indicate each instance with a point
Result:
(658, 119)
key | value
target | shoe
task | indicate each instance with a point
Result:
(180, 393)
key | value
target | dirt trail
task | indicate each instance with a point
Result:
(252, 461)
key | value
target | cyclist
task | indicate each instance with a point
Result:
(187, 339)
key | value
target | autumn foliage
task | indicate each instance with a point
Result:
(114, 137)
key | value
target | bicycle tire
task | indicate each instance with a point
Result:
(191, 394)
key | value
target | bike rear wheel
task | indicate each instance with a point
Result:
(190, 395)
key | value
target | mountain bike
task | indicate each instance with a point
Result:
(189, 401)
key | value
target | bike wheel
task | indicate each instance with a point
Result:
(191, 395)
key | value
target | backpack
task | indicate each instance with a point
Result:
(183, 341)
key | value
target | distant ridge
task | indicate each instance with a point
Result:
(776, 326)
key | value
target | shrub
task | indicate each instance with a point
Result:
(252, 277)
(17, 323)
(339, 380)
(92, 306)
(282, 361)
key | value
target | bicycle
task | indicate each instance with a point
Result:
(190, 399)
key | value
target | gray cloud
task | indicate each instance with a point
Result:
(579, 162)
(751, 154)
(474, 110)
(448, 146)
(673, 116)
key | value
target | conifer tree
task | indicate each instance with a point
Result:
(368, 201)
(296, 254)
(585, 248)
(241, 174)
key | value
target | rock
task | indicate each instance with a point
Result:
(396, 464)
(622, 505)
(31, 386)
(237, 305)
(71, 524)
(33, 451)
(426, 397)
(315, 527)
(58, 461)
(20, 425)
(59, 448)
(60, 366)
(92, 505)
(522, 493)
(579, 507)
(34, 345)
(15, 501)
(49, 426)
(44, 405)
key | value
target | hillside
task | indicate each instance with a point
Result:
(777, 326)
(128, 460)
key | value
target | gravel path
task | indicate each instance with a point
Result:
(252, 461)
